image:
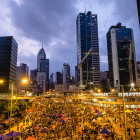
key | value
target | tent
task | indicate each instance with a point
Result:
(3, 137)
(104, 131)
(13, 134)
(31, 138)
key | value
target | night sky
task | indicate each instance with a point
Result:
(54, 23)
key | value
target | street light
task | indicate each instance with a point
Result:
(1, 81)
(99, 90)
(25, 81)
(11, 107)
(132, 86)
(112, 90)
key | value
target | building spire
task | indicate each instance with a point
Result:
(42, 44)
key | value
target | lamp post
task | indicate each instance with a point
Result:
(11, 108)
(124, 110)
(25, 81)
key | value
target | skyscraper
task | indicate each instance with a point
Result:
(88, 49)
(138, 6)
(33, 77)
(121, 56)
(66, 73)
(51, 81)
(8, 62)
(44, 67)
(58, 78)
(41, 55)
(22, 71)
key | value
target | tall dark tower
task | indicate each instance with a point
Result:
(8, 62)
(138, 5)
(121, 56)
(88, 49)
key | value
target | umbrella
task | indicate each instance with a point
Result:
(54, 116)
(61, 115)
(96, 111)
(104, 131)
(93, 120)
(99, 119)
(13, 134)
(37, 127)
(62, 119)
(6, 121)
(3, 137)
(31, 138)
(44, 130)
(96, 118)
(30, 110)
(128, 111)
(12, 119)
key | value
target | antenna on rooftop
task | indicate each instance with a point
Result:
(85, 6)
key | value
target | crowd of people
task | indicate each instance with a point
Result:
(69, 120)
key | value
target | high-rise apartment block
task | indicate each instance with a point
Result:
(121, 56)
(66, 73)
(88, 49)
(8, 62)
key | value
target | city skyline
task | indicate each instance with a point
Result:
(56, 26)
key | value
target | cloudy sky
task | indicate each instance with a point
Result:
(54, 23)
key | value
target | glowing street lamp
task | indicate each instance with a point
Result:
(132, 86)
(1, 81)
(99, 90)
(112, 90)
(25, 81)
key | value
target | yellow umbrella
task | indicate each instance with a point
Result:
(128, 111)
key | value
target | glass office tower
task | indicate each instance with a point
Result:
(44, 67)
(8, 62)
(138, 6)
(87, 38)
(121, 56)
